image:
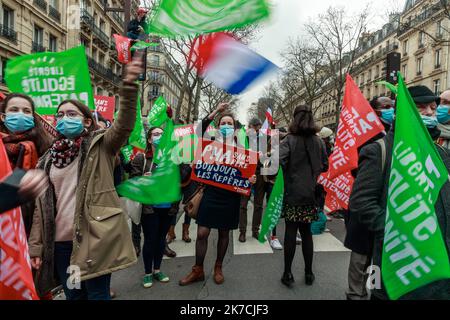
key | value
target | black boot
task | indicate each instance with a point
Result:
(287, 279)
(309, 278)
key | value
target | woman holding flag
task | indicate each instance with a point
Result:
(79, 229)
(219, 208)
(155, 219)
(24, 138)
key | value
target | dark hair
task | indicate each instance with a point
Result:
(149, 134)
(84, 110)
(303, 123)
(39, 136)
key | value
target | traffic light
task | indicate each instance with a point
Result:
(392, 67)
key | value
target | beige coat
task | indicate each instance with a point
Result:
(101, 241)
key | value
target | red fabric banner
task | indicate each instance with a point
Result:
(123, 47)
(224, 166)
(358, 124)
(105, 106)
(16, 280)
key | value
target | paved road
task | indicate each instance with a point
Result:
(251, 270)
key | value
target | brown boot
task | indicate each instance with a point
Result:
(186, 233)
(218, 275)
(196, 275)
(171, 234)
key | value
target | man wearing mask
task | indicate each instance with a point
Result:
(369, 196)
(443, 117)
(358, 237)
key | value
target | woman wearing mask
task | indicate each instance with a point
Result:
(303, 157)
(24, 138)
(219, 208)
(79, 222)
(155, 219)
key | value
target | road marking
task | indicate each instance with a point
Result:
(326, 242)
(251, 246)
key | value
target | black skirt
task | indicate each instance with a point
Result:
(219, 209)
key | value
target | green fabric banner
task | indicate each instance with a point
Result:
(138, 138)
(189, 17)
(388, 85)
(158, 113)
(51, 77)
(274, 206)
(142, 45)
(414, 252)
(163, 185)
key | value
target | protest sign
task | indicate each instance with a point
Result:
(47, 123)
(51, 77)
(338, 189)
(16, 279)
(224, 166)
(105, 106)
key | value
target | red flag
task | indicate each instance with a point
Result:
(123, 47)
(357, 124)
(105, 106)
(16, 280)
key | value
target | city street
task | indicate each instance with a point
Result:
(252, 270)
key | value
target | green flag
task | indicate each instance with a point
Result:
(137, 138)
(414, 253)
(242, 138)
(274, 206)
(142, 45)
(163, 186)
(189, 17)
(388, 85)
(158, 113)
(49, 78)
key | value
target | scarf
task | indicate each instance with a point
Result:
(64, 151)
(21, 150)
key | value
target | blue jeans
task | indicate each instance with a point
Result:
(92, 289)
(155, 227)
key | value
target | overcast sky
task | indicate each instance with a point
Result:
(286, 22)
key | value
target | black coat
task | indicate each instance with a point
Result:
(369, 200)
(303, 159)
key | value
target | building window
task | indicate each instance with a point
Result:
(8, 18)
(439, 29)
(53, 43)
(2, 69)
(437, 87)
(377, 72)
(102, 25)
(155, 91)
(404, 71)
(38, 35)
(419, 66)
(421, 39)
(101, 58)
(437, 59)
(99, 91)
(94, 54)
(155, 60)
(405, 47)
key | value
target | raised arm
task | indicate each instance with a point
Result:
(117, 136)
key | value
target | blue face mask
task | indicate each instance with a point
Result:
(18, 122)
(442, 114)
(227, 130)
(430, 122)
(156, 141)
(70, 127)
(388, 115)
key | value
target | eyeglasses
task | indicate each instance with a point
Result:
(69, 114)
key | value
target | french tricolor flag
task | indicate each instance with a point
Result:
(229, 64)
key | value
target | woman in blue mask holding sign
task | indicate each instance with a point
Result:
(24, 138)
(80, 234)
(219, 208)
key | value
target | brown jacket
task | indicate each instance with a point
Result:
(101, 240)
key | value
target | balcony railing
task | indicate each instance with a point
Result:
(86, 18)
(54, 13)
(8, 33)
(100, 34)
(117, 18)
(42, 4)
(37, 47)
(426, 14)
(103, 71)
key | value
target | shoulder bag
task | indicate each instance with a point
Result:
(134, 208)
(193, 204)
